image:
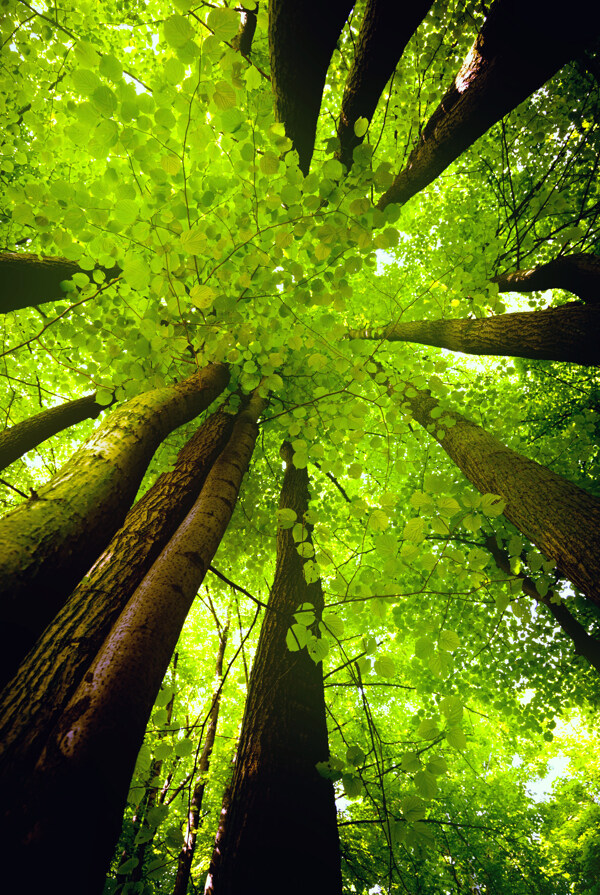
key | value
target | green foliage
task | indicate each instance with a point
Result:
(150, 143)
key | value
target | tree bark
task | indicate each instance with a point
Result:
(23, 437)
(302, 36)
(579, 273)
(242, 42)
(33, 700)
(93, 747)
(583, 644)
(279, 833)
(384, 33)
(521, 45)
(569, 333)
(186, 855)
(557, 516)
(48, 543)
(27, 280)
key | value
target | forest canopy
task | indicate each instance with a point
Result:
(299, 346)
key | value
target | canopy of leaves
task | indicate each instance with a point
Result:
(138, 136)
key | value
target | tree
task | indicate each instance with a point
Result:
(209, 196)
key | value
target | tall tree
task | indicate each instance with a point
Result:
(96, 740)
(567, 333)
(60, 531)
(279, 825)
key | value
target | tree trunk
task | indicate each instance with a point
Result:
(569, 333)
(579, 273)
(302, 36)
(23, 437)
(186, 855)
(31, 703)
(560, 518)
(48, 543)
(583, 644)
(384, 33)
(521, 45)
(93, 747)
(27, 280)
(279, 832)
(243, 39)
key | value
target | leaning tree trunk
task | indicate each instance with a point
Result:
(93, 747)
(302, 36)
(23, 437)
(48, 543)
(521, 45)
(279, 832)
(385, 30)
(33, 700)
(560, 518)
(569, 333)
(579, 273)
(583, 644)
(186, 855)
(28, 280)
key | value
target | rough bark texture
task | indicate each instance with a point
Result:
(92, 750)
(560, 518)
(32, 701)
(583, 644)
(578, 273)
(279, 833)
(569, 333)
(521, 45)
(384, 33)
(27, 280)
(302, 36)
(23, 437)
(186, 855)
(48, 543)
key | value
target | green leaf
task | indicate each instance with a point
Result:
(426, 784)
(296, 638)
(111, 68)
(456, 738)
(352, 786)
(428, 729)
(452, 708)
(136, 271)
(318, 648)
(410, 762)
(361, 126)
(413, 808)
(334, 624)
(202, 296)
(224, 95)
(449, 641)
(224, 22)
(184, 747)
(286, 517)
(385, 666)
(177, 30)
(355, 756)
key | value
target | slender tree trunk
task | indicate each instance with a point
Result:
(569, 333)
(186, 855)
(279, 833)
(48, 543)
(521, 45)
(386, 29)
(243, 39)
(27, 280)
(579, 273)
(92, 750)
(23, 437)
(583, 644)
(302, 36)
(560, 518)
(33, 700)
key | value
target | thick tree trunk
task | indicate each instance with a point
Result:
(384, 33)
(91, 753)
(560, 518)
(578, 273)
(302, 36)
(28, 280)
(583, 644)
(23, 437)
(569, 333)
(279, 833)
(48, 543)
(186, 855)
(521, 45)
(33, 700)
